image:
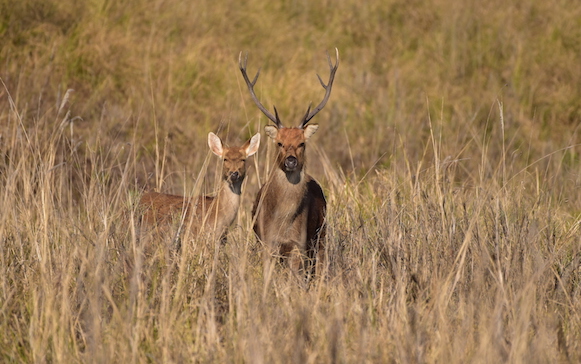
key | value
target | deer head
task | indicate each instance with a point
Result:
(291, 145)
(234, 167)
(290, 141)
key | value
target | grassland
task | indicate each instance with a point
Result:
(449, 154)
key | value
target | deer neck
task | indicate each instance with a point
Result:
(226, 203)
(294, 178)
(228, 196)
(284, 194)
(233, 188)
(289, 181)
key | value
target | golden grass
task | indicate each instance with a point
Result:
(448, 153)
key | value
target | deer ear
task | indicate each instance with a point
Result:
(271, 131)
(215, 144)
(310, 130)
(252, 145)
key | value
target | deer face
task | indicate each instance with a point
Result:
(291, 145)
(234, 167)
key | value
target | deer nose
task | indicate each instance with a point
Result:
(234, 176)
(290, 163)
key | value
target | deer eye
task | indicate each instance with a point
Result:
(243, 160)
(225, 159)
(279, 144)
(301, 145)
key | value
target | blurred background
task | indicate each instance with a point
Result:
(165, 73)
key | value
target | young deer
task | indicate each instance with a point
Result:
(290, 208)
(208, 214)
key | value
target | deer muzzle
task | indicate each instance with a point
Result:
(291, 163)
(235, 177)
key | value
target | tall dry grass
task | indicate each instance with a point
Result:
(448, 153)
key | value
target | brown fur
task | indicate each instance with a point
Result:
(290, 208)
(203, 214)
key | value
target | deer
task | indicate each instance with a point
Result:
(204, 214)
(289, 211)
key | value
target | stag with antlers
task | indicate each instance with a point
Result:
(290, 208)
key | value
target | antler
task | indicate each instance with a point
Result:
(310, 114)
(274, 118)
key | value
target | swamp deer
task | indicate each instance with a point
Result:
(204, 214)
(290, 208)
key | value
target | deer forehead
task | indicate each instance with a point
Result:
(233, 154)
(293, 136)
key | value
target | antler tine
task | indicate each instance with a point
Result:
(277, 122)
(242, 65)
(306, 115)
(327, 87)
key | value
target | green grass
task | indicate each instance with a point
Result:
(448, 152)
